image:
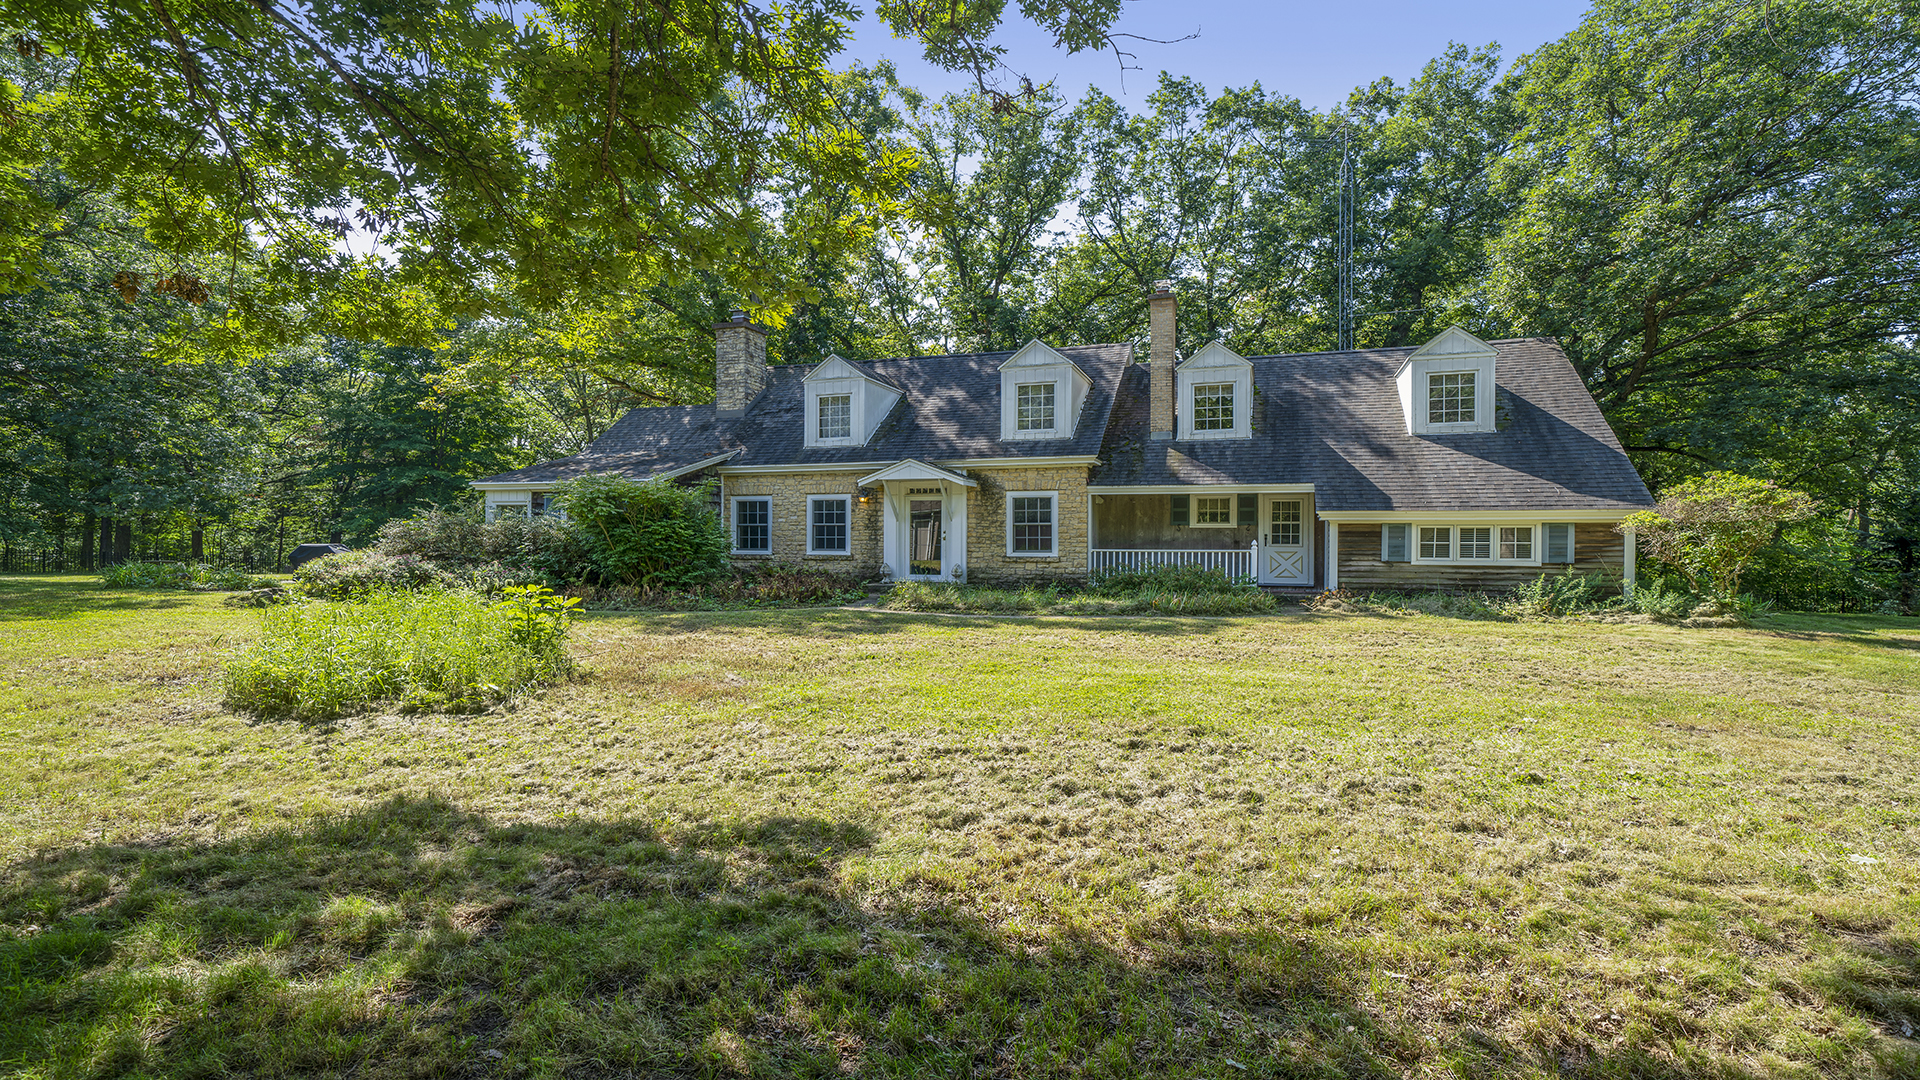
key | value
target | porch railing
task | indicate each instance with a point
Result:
(1236, 563)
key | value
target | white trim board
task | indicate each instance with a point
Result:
(1200, 489)
(1473, 517)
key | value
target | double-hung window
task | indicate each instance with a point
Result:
(753, 526)
(1030, 523)
(1033, 407)
(835, 416)
(1516, 543)
(827, 524)
(1436, 542)
(1213, 510)
(1213, 407)
(1476, 543)
(1450, 398)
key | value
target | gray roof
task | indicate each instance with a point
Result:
(1334, 420)
(949, 409)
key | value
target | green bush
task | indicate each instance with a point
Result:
(351, 573)
(196, 576)
(1467, 605)
(1662, 599)
(544, 550)
(1565, 593)
(651, 532)
(1820, 565)
(761, 586)
(1055, 599)
(427, 649)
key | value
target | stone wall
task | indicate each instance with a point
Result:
(1596, 547)
(789, 493)
(740, 363)
(987, 558)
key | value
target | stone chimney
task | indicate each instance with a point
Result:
(740, 364)
(1160, 363)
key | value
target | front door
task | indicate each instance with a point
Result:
(925, 531)
(1286, 542)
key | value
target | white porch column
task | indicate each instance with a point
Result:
(1629, 566)
(1333, 555)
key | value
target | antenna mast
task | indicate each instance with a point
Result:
(1343, 243)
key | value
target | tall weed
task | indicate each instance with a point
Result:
(178, 575)
(426, 649)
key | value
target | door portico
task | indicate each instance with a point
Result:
(924, 520)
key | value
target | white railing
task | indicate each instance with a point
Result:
(1237, 563)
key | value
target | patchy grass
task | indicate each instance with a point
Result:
(869, 843)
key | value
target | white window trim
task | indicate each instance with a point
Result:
(846, 552)
(1453, 547)
(734, 524)
(1037, 433)
(1053, 553)
(1242, 383)
(1193, 513)
(853, 419)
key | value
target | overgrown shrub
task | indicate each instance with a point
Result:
(1662, 599)
(1184, 579)
(177, 575)
(1468, 605)
(425, 649)
(1565, 593)
(542, 549)
(770, 585)
(351, 573)
(1710, 528)
(1055, 599)
(651, 532)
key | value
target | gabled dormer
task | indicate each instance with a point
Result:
(844, 404)
(1447, 385)
(1041, 392)
(1213, 395)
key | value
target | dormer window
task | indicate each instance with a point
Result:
(836, 417)
(1450, 398)
(1034, 407)
(1213, 407)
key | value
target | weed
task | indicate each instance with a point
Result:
(198, 577)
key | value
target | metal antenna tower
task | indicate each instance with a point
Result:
(1343, 244)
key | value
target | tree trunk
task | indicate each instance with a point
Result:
(86, 543)
(106, 543)
(123, 540)
(199, 542)
(336, 537)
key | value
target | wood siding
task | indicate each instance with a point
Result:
(1595, 547)
(1144, 521)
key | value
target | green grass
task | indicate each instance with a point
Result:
(871, 843)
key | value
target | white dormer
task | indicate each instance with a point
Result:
(1446, 387)
(1213, 395)
(1041, 392)
(844, 404)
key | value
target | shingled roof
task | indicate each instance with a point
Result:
(1334, 420)
(949, 410)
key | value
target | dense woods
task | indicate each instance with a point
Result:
(1714, 206)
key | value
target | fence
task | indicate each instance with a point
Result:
(1236, 563)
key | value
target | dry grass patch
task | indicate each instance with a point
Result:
(822, 844)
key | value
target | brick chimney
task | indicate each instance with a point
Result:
(1160, 363)
(740, 364)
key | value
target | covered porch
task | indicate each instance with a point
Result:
(1264, 536)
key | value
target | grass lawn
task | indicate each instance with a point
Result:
(868, 843)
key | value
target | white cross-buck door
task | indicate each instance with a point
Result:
(1286, 540)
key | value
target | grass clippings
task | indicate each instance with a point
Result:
(871, 843)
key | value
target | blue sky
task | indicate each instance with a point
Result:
(1316, 52)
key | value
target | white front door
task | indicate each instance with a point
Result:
(925, 530)
(1286, 541)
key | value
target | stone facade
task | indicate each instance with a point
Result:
(987, 559)
(789, 492)
(740, 364)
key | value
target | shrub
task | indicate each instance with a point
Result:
(351, 573)
(652, 532)
(1452, 605)
(1560, 594)
(319, 659)
(1711, 527)
(770, 585)
(1185, 579)
(1054, 599)
(542, 549)
(1821, 565)
(1661, 599)
(195, 576)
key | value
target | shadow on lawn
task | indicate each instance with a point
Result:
(415, 938)
(847, 623)
(27, 598)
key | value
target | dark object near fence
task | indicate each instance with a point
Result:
(306, 553)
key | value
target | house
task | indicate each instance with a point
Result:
(1459, 464)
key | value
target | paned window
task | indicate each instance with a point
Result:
(1030, 524)
(1287, 522)
(827, 524)
(1209, 510)
(752, 524)
(1516, 543)
(1213, 407)
(1450, 398)
(1436, 543)
(836, 416)
(1034, 407)
(1476, 543)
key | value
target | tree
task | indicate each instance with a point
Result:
(1710, 528)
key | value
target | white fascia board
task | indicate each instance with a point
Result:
(1016, 462)
(850, 466)
(698, 465)
(912, 469)
(1214, 355)
(871, 466)
(1473, 517)
(1200, 489)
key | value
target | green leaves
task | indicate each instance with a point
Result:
(653, 532)
(1711, 527)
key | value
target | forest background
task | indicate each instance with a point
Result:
(283, 273)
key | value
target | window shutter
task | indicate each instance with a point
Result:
(1249, 510)
(1559, 543)
(1179, 507)
(1393, 545)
